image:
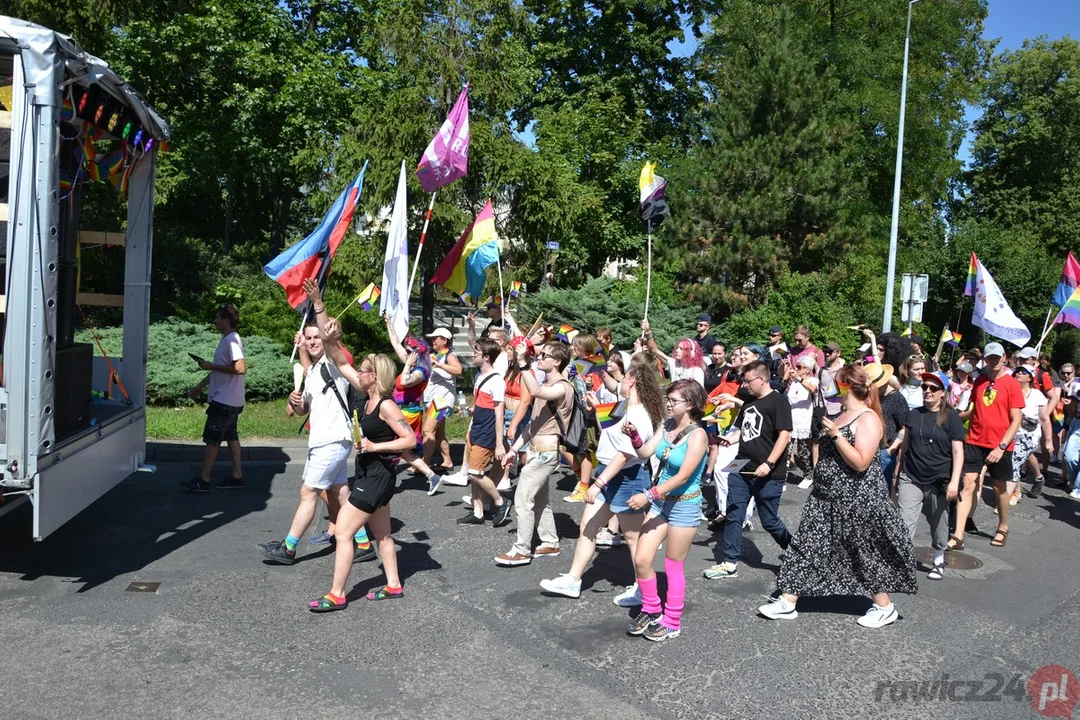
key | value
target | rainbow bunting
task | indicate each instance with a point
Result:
(566, 333)
(1070, 311)
(111, 164)
(972, 282)
(609, 414)
(369, 297)
(515, 288)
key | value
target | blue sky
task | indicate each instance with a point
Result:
(1013, 21)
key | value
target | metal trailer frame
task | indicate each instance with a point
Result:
(63, 478)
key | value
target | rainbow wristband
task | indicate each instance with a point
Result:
(653, 494)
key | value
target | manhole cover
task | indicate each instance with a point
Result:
(146, 587)
(954, 559)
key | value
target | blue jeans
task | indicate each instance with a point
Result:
(888, 467)
(767, 493)
(1071, 452)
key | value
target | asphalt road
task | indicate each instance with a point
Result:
(227, 635)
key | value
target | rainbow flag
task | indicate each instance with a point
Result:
(439, 409)
(609, 414)
(1059, 413)
(369, 297)
(566, 333)
(1070, 311)
(949, 337)
(515, 288)
(462, 271)
(583, 367)
(1070, 279)
(726, 418)
(598, 359)
(972, 282)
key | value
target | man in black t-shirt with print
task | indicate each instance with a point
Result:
(763, 430)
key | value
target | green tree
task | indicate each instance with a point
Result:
(1025, 170)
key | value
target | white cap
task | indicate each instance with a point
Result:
(1028, 352)
(441, 332)
(993, 348)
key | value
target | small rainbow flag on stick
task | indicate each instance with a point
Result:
(369, 297)
(439, 409)
(1070, 311)
(973, 273)
(567, 333)
(583, 367)
(515, 288)
(950, 338)
(609, 414)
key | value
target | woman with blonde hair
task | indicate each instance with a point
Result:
(385, 433)
(851, 539)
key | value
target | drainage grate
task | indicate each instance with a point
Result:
(954, 559)
(144, 587)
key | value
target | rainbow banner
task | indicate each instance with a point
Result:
(462, 271)
(1070, 311)
(609, 414)
(369, 297)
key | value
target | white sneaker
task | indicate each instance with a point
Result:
(630, 597)
(563, 585)
(748, 526)
(504, 484)
(1075, 494)
(806, 483)
(605, 538)
(878, 616)
(459, 478)
(780, 609)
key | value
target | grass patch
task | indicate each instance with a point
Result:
(259, 419)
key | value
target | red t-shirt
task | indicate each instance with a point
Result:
(992, 401)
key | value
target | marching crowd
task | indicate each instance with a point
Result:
(662, 440)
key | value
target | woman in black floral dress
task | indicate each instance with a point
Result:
(851, 540)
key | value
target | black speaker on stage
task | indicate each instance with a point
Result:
(74, 371)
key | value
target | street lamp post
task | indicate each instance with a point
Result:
(890, 282)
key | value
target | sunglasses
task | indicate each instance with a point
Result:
(542, 355)
(932, 388)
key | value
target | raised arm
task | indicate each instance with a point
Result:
(331, 334)
(650, 342)
(555, 391)
(395, 341)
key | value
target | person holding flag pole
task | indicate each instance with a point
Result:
(1070, 278)
(445, 159)
(1070, 313)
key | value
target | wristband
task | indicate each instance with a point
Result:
(653, 494)
(635, 441)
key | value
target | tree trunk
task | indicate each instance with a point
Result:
(280, 223)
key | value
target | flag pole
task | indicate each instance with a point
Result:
(420, 247)
(1047, 322)
(351, 303)
(1038, 347)
(648, 276)
(504, 304)
(303, 322)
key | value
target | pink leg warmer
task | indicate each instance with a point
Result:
(650, 599)
(676, 593)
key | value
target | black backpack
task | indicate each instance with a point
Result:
(575, 434)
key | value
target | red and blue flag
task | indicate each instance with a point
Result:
(311, 257)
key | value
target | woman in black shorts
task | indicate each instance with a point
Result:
(385, 433)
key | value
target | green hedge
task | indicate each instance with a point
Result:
(171, 373)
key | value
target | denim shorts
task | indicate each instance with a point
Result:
(627, 482)
(679, 513)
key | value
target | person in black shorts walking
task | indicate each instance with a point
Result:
(385, 433)
(995, 413)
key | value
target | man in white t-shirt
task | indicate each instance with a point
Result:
(225, 403)
(326, 473)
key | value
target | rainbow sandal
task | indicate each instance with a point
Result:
(326, 604)
(384, 593)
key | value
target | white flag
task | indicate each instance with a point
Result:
(992, 313)
(395, 280)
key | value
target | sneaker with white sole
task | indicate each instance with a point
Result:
(565, 585)
(806, 483)
(658, 632)
(578, 496)
(723, 570)
(1075, 494)
(748, 526)
(433, 484)
(460, 479)
(780, 609)
(630, 597)
(878, 616)
(512, 559)
(606, 538)
(504, 484)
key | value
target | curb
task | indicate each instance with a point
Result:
(261, 450)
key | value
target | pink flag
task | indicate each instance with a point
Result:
(447, 155)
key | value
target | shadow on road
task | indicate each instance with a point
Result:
(141, 520)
